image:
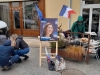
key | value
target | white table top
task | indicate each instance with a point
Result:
(91, 33)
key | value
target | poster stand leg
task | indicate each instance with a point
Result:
(43, 55)
(40, 52)
(56, 47)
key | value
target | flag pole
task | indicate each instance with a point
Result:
(70, 15)
(59, 20)
(68, 23)
(60, 24)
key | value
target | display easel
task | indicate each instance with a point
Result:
(43, 55)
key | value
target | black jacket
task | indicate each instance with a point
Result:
(20, 43)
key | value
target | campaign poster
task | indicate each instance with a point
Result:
(48, 29)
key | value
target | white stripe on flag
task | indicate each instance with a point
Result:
(46, 51)
(66, 12)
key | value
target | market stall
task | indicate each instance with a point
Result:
(77, 49)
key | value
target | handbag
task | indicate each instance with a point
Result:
(51, 65)
(60, 64)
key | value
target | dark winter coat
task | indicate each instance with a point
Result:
(20, 43)
(78, 28)
(5, 52)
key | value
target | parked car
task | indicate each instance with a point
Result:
(4, 30)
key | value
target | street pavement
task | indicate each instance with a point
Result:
(31, 66)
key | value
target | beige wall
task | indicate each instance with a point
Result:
(52, 9)
(76, 7)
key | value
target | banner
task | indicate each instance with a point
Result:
(48, 29)
(39, 12)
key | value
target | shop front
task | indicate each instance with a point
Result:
(21, 16)
(90, 10)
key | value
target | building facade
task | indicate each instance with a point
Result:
(21, 16)
(90, 10)
(29, 23)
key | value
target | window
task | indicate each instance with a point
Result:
(91, 1)
(30, 15)
(85, 14)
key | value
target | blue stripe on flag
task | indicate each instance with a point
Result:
(63, 10)
(39, 12)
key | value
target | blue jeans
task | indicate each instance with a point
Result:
(22, 52)
(14, 59)
(10, 61)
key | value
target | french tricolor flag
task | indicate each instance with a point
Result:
(66, 11)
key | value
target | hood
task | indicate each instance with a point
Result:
(19, 37)
(7, 43)
(80, 18)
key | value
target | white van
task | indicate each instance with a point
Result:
(4, 30)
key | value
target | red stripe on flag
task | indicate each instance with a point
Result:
(71, 12)
(68, 15)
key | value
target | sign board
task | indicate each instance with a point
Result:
(48, 29)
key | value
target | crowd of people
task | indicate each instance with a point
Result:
(12, 50)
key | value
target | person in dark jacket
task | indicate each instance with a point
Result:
(78, 26)
(21, 47)
(6, 58)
